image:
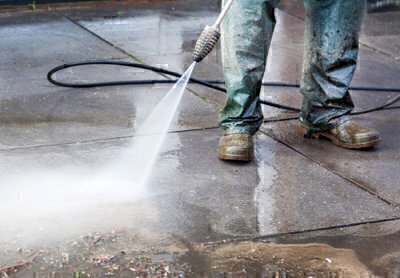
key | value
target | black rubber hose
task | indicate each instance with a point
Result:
(206, 83)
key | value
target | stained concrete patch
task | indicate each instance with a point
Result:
(124, 253)
(376, 245)
(117, 252)
(389, 261)
(308, 260)
(365, 250)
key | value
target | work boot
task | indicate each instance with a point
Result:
(349, 135)
(238, 146)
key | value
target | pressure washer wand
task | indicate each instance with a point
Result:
(210, 36)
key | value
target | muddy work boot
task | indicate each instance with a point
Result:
(238, 146)
(349, 135)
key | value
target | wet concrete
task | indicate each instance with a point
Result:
(34, 112)
(374, 69)
(379, 32)
(93, 114)
(375, 244)
(294, 184)
(216, 200)
(378, 175)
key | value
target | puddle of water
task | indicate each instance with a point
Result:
(253, 259)
(263, 199)
(376, 245)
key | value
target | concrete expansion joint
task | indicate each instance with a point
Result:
(357, 184)
(301, 232)
(394, 58)
(100, 38)
(131, 56)
(205, 99)
(110, 139)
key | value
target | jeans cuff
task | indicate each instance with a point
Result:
(331, 124)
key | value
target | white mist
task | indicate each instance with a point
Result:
(35, 200)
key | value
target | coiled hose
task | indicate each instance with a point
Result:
(206, 83)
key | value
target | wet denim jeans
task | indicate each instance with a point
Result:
(331, 48)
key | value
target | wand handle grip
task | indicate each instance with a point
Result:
(222, 14)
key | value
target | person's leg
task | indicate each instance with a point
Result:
(246, 36)
(330, 58)
(331, 50)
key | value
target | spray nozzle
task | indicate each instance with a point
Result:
(206, 43)
(210, 36)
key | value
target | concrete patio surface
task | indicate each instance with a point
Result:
(196, 213)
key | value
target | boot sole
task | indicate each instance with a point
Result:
(345, 145)
(233, 157)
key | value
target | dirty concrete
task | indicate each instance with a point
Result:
(293, 260)
(54, 136)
